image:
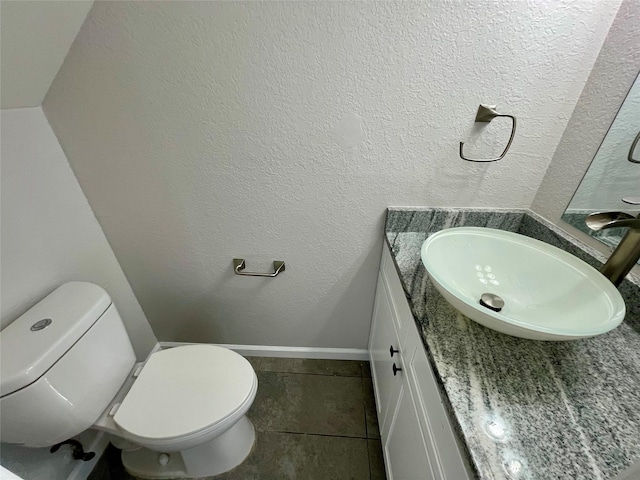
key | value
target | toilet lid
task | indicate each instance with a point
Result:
(183, 390)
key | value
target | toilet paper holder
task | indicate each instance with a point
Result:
(239, 265)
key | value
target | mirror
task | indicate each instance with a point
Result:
(612, 182)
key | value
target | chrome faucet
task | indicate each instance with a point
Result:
(627, 253)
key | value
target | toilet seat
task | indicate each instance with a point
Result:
(185, 395)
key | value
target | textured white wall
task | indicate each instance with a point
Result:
(610, 176)
(204, 131)
(49, 233)
(34, 39)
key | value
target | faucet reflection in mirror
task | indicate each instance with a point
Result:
(627, 253)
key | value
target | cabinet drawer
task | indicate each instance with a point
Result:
(399, 302)
(405, 447)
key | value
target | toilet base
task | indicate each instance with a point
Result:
(214, 457)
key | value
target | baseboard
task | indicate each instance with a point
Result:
(155, 349)
(288, 352)
(8, 475)
(82, 469)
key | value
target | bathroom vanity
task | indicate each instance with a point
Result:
(418, 438)
(458, 401)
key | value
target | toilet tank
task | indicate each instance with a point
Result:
(61, 363)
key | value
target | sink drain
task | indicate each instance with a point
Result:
(491, 301)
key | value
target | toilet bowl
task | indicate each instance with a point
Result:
(184, 403)
(182, 413)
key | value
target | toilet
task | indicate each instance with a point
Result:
(67, 365)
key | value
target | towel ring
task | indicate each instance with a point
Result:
(632, 149)
(485, 114)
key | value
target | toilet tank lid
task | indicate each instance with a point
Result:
(43, 334)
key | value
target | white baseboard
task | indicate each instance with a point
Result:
(155, 349)
(8, 475)
(82, 469)
(288, 352)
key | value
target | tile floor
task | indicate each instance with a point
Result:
(315, 420)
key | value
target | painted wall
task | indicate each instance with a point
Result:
(34, 39)
(205, 131)
(49, 233)
(614, 72)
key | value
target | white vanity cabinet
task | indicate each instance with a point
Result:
(417, 437)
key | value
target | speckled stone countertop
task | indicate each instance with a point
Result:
(525, 409)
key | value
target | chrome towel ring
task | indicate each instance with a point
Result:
(485, 114)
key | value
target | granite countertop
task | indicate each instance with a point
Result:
(525, 409)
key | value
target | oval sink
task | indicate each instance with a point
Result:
(533, 290)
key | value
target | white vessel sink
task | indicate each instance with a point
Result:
(548, 293)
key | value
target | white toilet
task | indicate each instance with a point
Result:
(67, 365)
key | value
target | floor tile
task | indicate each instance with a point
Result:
(365, 368)
(255, 362)
(279, 456)
(370, 411)
(376, 460)
(109, 467)
(344, 368)
(315, 404)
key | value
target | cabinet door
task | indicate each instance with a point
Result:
(383, 336)
(445, 454)
(403, 318)
(417, 436)
(405, 447)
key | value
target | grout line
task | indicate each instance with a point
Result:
(365, 394)
(366, 422)
(369, 460)
(366, 435)
(366, 441)
(315, 434)
(306, 373)
(364, 406)
(360, 373)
